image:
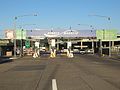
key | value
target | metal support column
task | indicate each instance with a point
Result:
(109, 48)
(81, 45)
(57, 44)
(93, 46)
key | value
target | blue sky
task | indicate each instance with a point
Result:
(60, 13)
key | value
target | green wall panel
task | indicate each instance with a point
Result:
(20, 34)
(106, 34)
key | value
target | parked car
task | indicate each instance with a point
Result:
(76, 51)
(82, 51)
(90, 51)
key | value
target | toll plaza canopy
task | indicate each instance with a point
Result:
(61, 33)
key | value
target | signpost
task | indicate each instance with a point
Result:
(27, 44)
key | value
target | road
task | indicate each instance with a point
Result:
(83, 72)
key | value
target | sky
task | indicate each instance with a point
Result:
(55, 14)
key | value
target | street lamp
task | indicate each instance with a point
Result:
(21, 26)
(91, 26)
(109, 19)
(86, 25)
(15, 18)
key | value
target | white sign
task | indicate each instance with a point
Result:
(37, 37)
(69, 44)
(53, 42)
(37, 44)
(52, 34)
(71, 32)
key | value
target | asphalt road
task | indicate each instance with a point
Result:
(83, 72)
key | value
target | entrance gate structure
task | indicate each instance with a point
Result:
(64, 40)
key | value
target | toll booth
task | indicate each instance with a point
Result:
(105, 51)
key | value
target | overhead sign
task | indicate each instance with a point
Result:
(52, 34)
(70, 32)
(37, 37)
(61, 33)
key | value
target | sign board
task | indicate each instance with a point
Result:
(53, 42)
(37, 44)
(52, 34)
(69, 44)
(71, 32)
(37, 37)
(27, 44)
(9, 34)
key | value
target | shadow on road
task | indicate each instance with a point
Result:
(5, 60)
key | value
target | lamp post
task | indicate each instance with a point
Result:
(23, 31)
(85, 25)
(21, 26)
(15, 19)
(21, 54)
(93, 48)
(91, 31)
(109, 19)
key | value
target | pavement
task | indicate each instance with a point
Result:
(83, 72)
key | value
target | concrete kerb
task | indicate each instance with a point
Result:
(15, 58)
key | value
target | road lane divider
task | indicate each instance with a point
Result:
(54, 84)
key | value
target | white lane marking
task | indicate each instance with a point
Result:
(54, 84)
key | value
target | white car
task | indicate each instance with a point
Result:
(82, 51)
(90, 51)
